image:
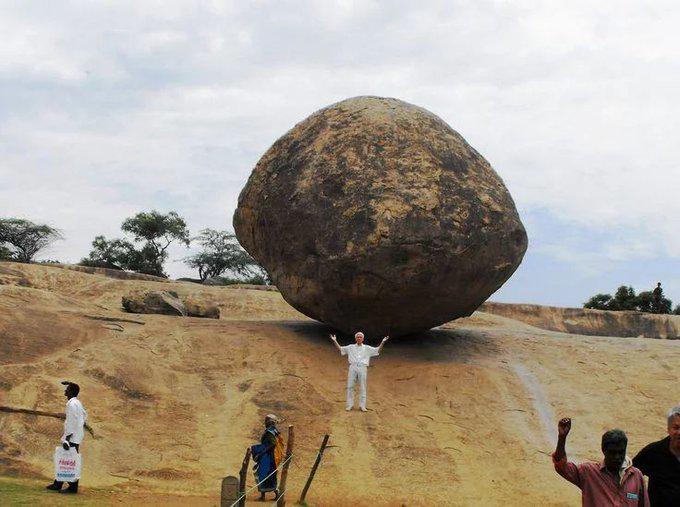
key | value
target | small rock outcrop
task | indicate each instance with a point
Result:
(169, 303)
(374, 214)
(160, 302)
(201, 309)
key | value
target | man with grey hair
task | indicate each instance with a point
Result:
(660, 461)
(359, 356)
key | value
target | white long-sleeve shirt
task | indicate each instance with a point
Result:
(359, 355)
(74, 425)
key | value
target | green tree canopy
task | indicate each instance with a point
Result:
(157, 232)
(113, 254)
(625, 299)
(221, 253)
(598, 302)
(24, 238)
(648, 302)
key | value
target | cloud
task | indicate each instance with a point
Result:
(108, 108)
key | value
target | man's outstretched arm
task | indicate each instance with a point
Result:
(382, 344)
(563, 466)
(563, 428)
(335, 341)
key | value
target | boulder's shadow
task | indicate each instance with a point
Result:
(435, 345)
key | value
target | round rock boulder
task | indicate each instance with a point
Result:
(373, 214)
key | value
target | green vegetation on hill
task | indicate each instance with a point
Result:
(155, 230)
(652, 301)
(221, 259)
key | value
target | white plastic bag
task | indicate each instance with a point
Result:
(67, 464)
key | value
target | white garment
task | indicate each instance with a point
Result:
(74, 425)
(356, 372)
(359, 355)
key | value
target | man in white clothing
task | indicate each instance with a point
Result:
(359, 356)
(74, 430)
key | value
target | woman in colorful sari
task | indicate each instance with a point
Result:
(265, 462)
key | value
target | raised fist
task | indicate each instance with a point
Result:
(563, 427)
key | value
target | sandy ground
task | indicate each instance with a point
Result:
(462, 415)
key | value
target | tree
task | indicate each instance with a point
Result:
(666, 305)
(221, 253)
(645, 301)
(25, 238)
(159, 231)
(599, 302)
(648, 303)
(624, 299)
(677, 310)
(113, 254)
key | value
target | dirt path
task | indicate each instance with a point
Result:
(542, 407)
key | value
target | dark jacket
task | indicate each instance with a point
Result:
(662, 467)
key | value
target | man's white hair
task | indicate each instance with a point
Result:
(673, 413)
(359, 333)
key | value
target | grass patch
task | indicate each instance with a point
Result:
(20, 492)
(15, 491)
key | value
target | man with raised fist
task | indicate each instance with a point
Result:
(613, 481)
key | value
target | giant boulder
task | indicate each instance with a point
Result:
(373, 214)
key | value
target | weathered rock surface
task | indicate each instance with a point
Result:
(215, 281)
(111, 273)
(200, 309)
(374, 214)
(590, 322)
(161, 302)
(169, 303)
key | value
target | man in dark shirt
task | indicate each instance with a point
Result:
(660, 461)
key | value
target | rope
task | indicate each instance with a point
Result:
(256, 485)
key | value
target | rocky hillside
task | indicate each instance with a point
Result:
(462, 415)
(590, 322)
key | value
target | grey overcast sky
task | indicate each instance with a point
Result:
(112, 107)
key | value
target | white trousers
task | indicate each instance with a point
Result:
(355, 373)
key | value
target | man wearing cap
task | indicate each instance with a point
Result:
(74, 430)
(359, 356)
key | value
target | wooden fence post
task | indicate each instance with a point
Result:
(243, 475)
(314, 467)
(281, 502)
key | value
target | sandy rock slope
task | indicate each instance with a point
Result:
(462, 415)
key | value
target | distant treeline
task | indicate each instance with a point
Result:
(144, 250)
(650, 301)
